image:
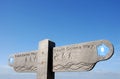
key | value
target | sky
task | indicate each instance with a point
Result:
(23, 23)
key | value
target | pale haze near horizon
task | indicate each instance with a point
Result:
(26, 22)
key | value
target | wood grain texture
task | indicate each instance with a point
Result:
(79, 57)
(44, 60)
(25, 62)
(49, 59)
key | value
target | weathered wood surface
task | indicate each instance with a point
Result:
(25, 62)
(44, 60)
(40, 61)
(76, 57)
(79, 57)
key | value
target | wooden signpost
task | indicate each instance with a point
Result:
(49, 59)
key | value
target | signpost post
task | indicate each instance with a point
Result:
(49, 59)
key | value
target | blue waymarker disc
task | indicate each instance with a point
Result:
(103, 50)
(11, 60)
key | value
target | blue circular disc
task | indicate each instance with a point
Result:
(11, 60)
(102, 50)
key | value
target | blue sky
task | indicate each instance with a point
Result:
(24, 23)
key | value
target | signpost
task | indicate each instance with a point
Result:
(49, 59)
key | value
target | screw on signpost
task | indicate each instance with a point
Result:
(49, 59)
